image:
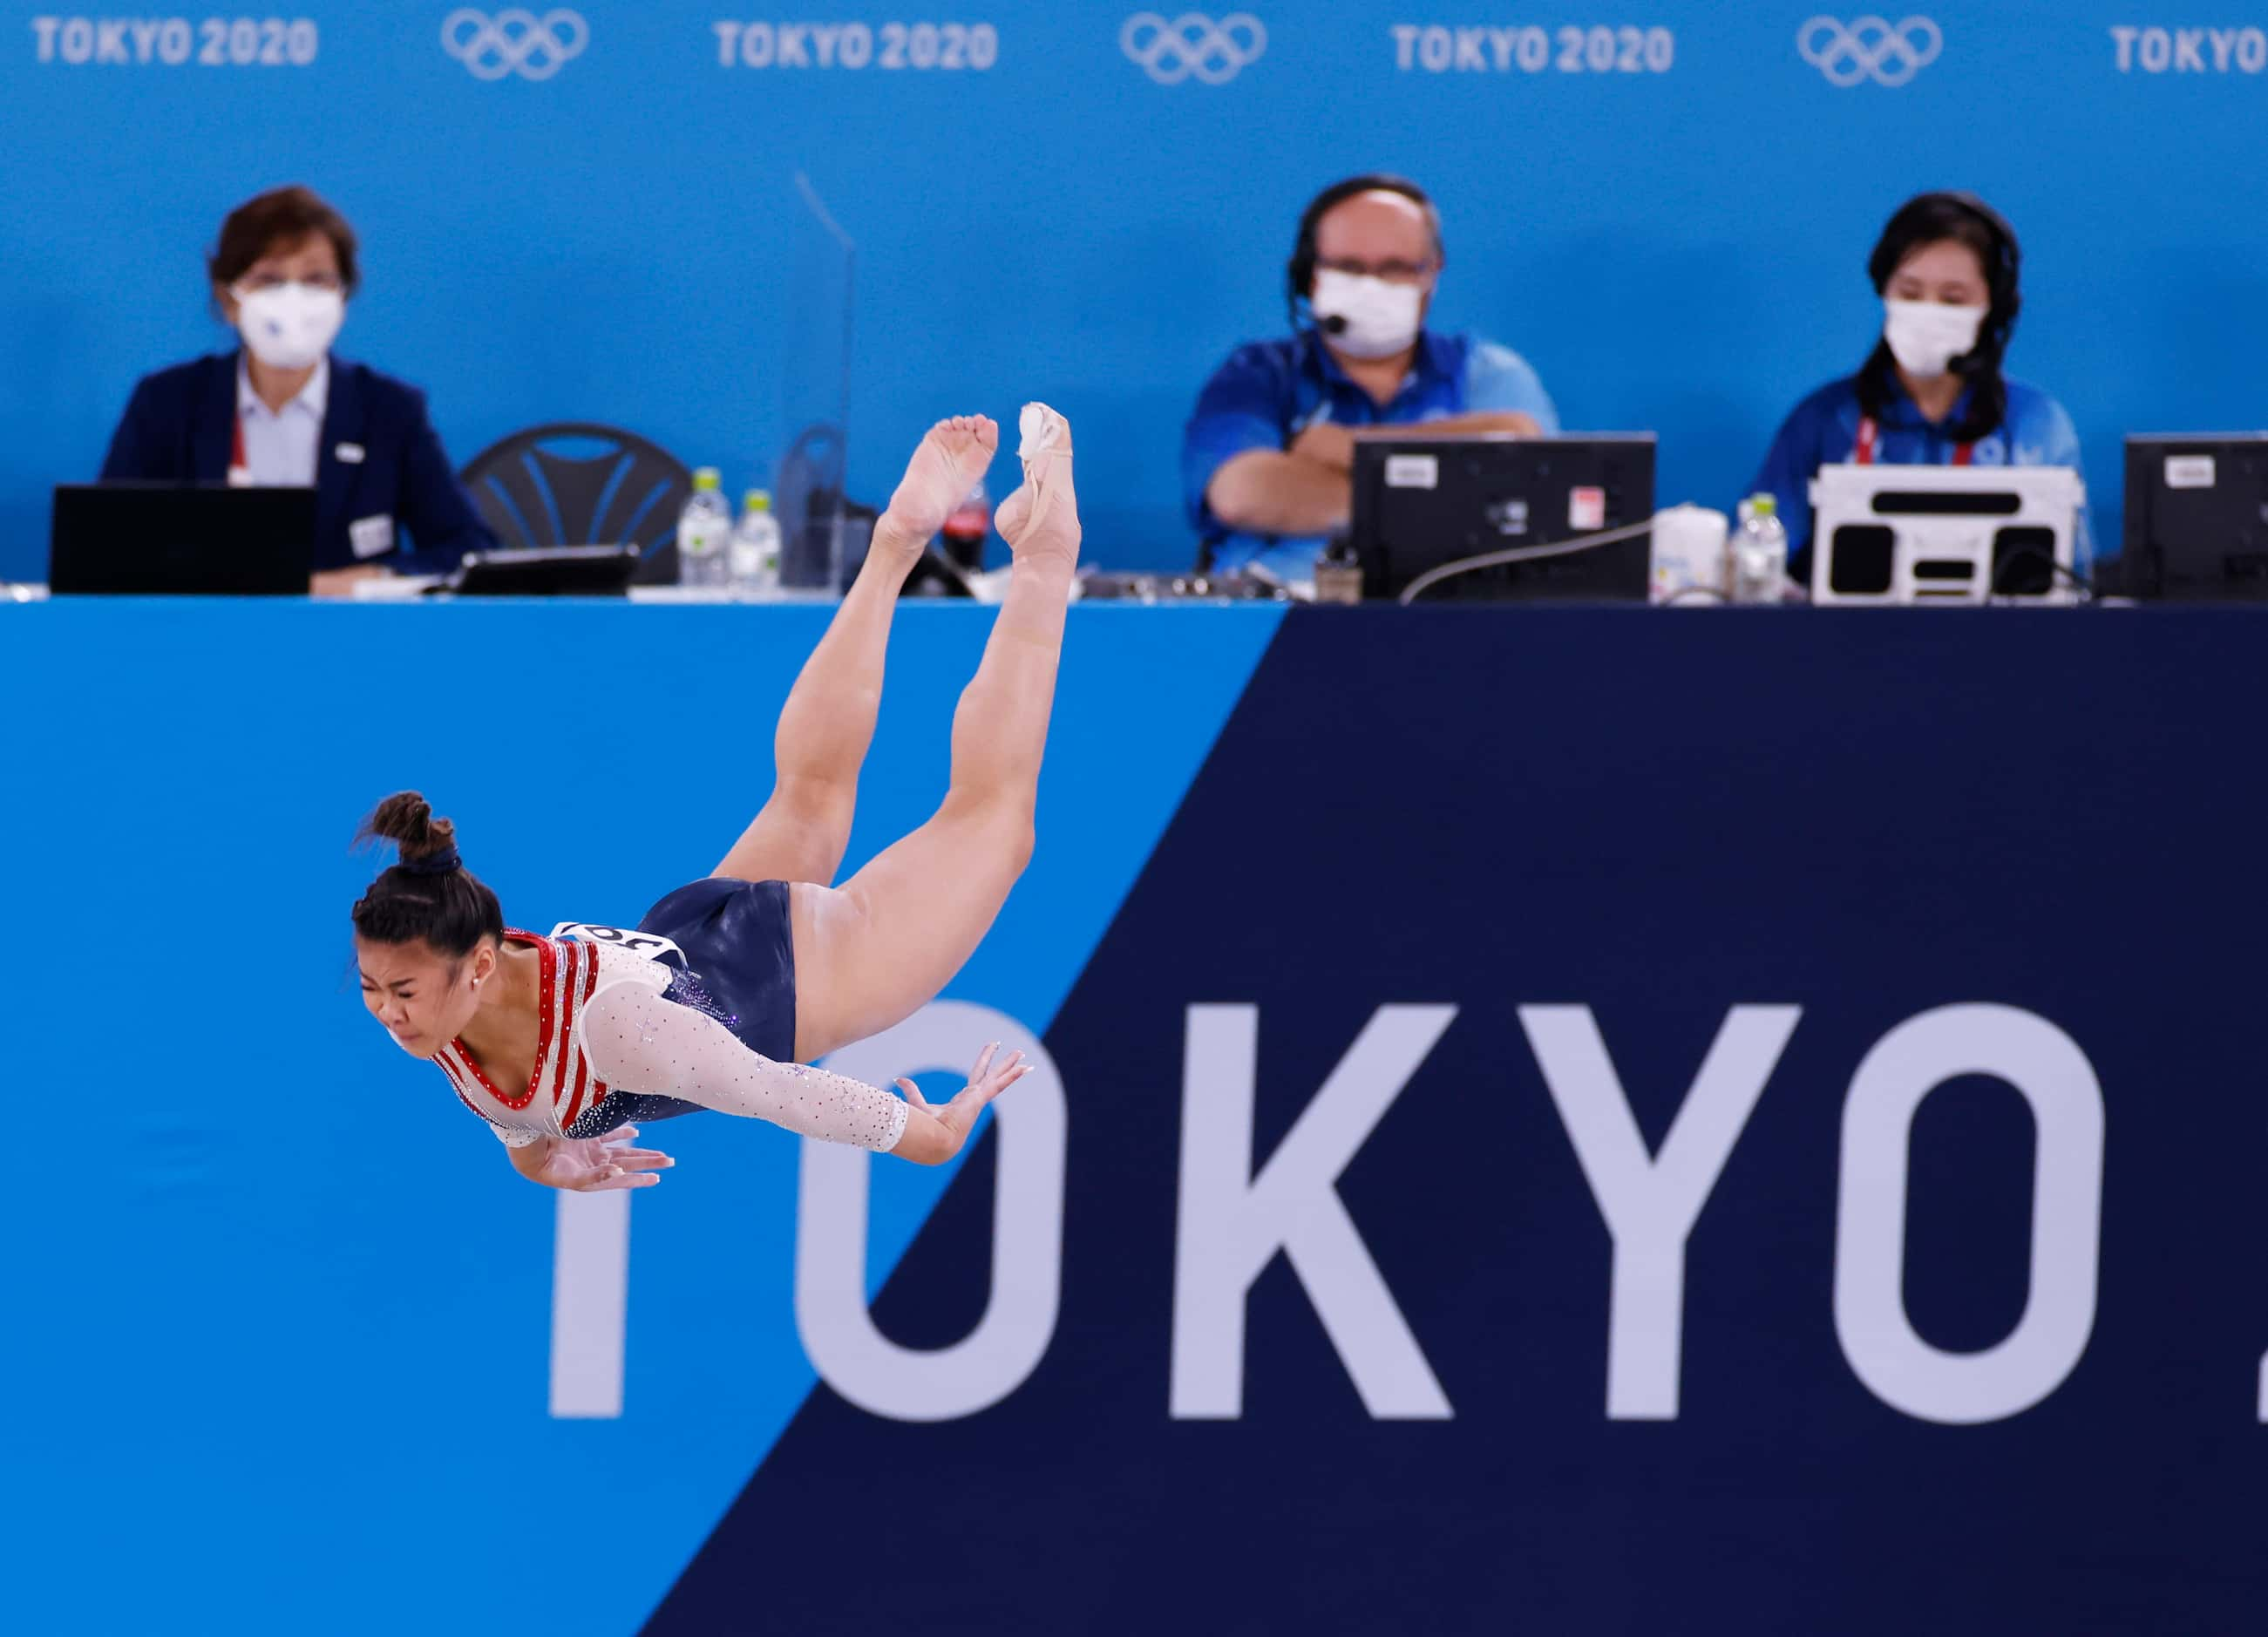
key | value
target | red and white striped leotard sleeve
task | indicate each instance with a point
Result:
(604, 1025)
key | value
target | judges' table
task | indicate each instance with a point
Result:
(1762, 1108)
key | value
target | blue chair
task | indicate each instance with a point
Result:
(578, 483)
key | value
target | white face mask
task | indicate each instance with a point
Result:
(1380, 320)
(1925, 336)
(288, 327)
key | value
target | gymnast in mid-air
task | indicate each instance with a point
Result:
(730, 985)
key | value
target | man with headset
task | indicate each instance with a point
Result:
(1268, 452)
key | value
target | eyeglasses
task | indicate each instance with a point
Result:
(252, 284)
(1392, 272)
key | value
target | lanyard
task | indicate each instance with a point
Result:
(239, 469)
(1864, 454)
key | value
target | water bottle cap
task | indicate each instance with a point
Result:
(1763, 505)
(757, 500)
(707, 477)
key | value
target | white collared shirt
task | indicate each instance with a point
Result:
(281, 448)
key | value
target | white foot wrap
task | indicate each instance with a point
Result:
(1043, 436)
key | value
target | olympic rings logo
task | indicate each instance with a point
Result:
(515, 41)
(1193, 45)
(1871, 47)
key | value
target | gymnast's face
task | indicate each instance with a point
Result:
(422, 998)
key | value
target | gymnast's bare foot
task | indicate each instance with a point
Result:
(944, 469)
(1040, 521)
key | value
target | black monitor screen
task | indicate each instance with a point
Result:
(2197, 519)
(1421, 503)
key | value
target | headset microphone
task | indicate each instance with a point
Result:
(1335, 325)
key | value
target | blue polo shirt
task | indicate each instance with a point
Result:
(1823, 431)
(1269, 392)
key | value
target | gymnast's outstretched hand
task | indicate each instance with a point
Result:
(590, 1165)
(934, 1132)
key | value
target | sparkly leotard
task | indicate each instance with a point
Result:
(615, 1024)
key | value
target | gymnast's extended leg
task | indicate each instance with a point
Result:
(828, 720)
(883, 944)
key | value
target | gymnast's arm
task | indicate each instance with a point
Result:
(639, 1040)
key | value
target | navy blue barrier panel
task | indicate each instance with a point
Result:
(1761, 1119)
(1667, 208)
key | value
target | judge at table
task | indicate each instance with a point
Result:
(283, 411)
(1268, 456)
(1932, 392)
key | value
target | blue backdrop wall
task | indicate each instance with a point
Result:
(1669, 218)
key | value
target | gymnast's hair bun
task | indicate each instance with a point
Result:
(428, 896)
(407, 820)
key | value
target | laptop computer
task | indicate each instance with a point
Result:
(164, 539)
(1422, 502)
(545, 571)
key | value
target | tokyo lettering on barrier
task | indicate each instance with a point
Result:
(2191, 50)
(176, 42)
(1601, 48)
(1236, 1211)
(891, 47)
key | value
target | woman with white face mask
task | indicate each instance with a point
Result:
(280, 410)
(1932, 392)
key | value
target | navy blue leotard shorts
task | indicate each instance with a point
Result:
(738, 968)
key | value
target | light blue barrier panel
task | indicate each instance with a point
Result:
(282, 1313)
(1667, 208)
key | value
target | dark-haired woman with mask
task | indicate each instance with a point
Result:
(284, 411)
(1932, 392)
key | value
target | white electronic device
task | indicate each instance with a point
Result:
(1883, 535)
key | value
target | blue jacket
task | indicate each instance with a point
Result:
(1269, 392)
(1823, 431)
(181, 427)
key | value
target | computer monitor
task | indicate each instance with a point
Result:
(141, 539)
(1898, 534)
(2197, 517)
(1422, 502)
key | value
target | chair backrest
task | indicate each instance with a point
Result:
(579, 483)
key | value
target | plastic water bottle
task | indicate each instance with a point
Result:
(704, 528)
(1760, 554)
(756, 550)
(1338, 572)
(965, 530)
